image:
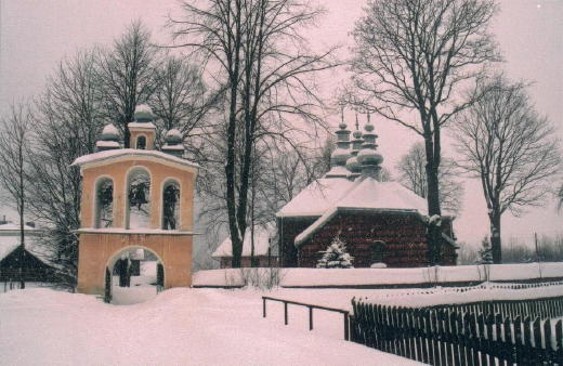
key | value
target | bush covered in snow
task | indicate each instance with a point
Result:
(335, 256)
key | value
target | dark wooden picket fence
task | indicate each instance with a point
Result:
(486, 333)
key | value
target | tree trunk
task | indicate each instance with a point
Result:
(494, 218)
(237, 232)
(432, 147)
(21, 204)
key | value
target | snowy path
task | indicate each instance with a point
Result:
(178, 327)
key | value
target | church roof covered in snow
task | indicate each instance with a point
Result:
(264, 236)
(316, 198)
(368, 194)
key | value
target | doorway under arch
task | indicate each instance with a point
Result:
(133, 274)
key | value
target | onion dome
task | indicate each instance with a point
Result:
(368, 157)
(339, 157)
(173, 137)
(109, 138)
(143, 113)
(109, 133)
(342, 151)
(352, 164)
(174, 143)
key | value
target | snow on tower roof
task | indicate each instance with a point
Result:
(316, 198)
(117, 154)
(263, 236)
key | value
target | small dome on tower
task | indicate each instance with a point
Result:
(357, 134)
(143, 113)
(109, 138)
(353, 165)
(339, 157)
(369, 157)
(109, 133)
(173, 137)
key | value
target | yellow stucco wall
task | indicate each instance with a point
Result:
(136, 132)
(99, 250)
(118, 171)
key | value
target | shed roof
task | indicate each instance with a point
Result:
(264, 236)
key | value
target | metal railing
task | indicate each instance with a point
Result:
(345, 313)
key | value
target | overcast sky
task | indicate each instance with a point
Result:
(36, 34)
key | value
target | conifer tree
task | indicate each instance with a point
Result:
(336, 255)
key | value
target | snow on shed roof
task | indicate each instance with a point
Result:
(316, 198)
(263, 237)
(11, 226)
(10, 240)
(118, 153)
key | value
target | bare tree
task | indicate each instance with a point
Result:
(510, 148)
(68, 121)
(262, 65)
(411, 59)
(412, 174)
(127, 73)
(181, 100)
(14, 160)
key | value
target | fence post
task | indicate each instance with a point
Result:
(310, 318)
(346, 326)
(285, 312)
(263, 306)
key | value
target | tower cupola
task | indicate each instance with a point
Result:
(174, 143)
(341, 154)
(352, 163)
(142, 130)
(368, 157)
(109, 138)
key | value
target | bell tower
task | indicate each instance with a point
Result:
(136, 198)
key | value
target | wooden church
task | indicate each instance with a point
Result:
(383, 224)
(134, 198)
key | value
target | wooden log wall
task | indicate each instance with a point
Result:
(404, 235)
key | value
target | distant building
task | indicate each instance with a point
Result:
(383, 224)
(36, 267)
(265, 248)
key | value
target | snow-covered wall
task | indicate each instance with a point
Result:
(368, 277)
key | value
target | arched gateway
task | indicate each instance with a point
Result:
(126, 200)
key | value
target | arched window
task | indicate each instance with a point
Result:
(141, 142)
(377, 251)
(104, 203)
(139, 205)
(170, 206)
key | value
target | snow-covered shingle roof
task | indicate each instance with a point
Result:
(263, 237)
(10, 240)
(316, 198)
(370, 194)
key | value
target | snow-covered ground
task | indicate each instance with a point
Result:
(178, 327)
(414, 277)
